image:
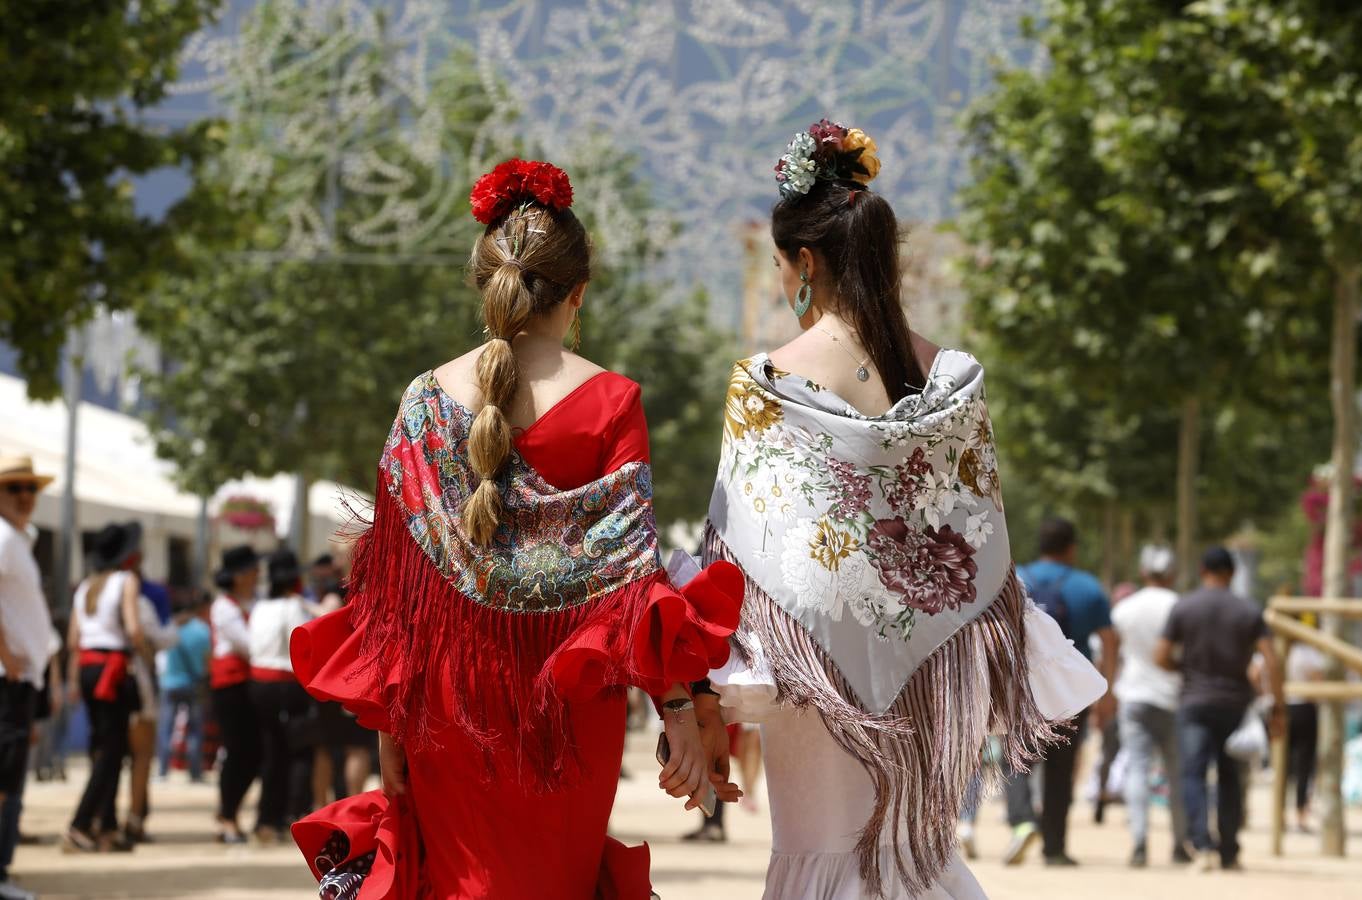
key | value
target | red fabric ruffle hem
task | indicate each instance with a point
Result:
(372, 823)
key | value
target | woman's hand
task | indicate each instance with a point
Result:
(392, 764)
(684, 773)
(714, 735)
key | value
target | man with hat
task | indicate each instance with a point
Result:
(27, 640)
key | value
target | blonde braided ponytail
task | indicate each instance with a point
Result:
(553, 258)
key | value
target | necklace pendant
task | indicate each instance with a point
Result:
(862, 374)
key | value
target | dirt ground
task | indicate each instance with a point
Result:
(185, 863)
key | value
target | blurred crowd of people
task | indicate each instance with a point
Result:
(203, 683)
(1195, 688)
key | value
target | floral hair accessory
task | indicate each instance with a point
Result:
(519, 181)
(830, 151)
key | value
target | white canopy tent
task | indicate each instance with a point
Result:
(118, 478)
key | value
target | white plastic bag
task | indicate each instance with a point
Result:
(1249, 740)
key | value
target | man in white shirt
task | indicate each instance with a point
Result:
(1148, 697)
(26, 635)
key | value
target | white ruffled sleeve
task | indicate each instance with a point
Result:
(747, 693)
(1063, 681)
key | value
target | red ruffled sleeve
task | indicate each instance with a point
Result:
(327, 662)
(662, 636)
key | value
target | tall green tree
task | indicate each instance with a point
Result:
(1131, 271)
(77, 76)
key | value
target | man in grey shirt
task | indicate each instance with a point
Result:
(1217, 632)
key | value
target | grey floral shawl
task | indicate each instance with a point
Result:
(880, 586)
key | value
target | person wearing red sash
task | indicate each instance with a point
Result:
(283, 708)
(105, 630)
(229, 676)
(509, 590)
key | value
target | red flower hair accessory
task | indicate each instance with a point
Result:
(518, 181)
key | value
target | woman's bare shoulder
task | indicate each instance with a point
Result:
(457, 377)
(924, 350)
(795, 354)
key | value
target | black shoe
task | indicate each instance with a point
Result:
(707, 834)
(1180, 856)
(1061, 861)
(1139, 858)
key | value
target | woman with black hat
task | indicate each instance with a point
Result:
(106, 630)
(229, 676)
(281, 704)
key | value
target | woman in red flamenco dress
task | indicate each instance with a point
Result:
(507, 592)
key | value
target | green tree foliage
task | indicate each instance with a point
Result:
(76, 77)
(1151, 216)
(294, 361)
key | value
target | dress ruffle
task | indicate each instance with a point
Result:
(1063, 681)
(328, 663)
(836, 876)
(675, 635)
(373, 823)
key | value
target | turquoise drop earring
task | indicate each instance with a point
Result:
(804, 298)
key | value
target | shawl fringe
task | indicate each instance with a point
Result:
(497, 683)
(923, 753)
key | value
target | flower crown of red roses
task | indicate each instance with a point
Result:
(519, 181)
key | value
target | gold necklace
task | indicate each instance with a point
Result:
(862, 373)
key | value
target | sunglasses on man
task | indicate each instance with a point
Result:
(22, 488)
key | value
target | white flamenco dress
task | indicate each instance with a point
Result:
(820, 796)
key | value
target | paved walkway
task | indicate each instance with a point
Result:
(185, 863)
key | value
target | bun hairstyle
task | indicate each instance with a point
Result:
(826, 207)
(528, 260)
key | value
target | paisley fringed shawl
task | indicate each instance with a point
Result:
(880, 589)
(568, 601)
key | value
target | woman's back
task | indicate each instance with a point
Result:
(828, 365)
(100, 622)
(572, 421)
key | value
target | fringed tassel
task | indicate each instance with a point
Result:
(445, 661)
(923, 753)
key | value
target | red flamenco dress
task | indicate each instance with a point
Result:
(501, 670)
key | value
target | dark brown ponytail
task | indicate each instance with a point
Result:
(524, 264)
(857, 235)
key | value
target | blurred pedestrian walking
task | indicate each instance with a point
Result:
(1074, 599)
(1148, 697)
(107, 630)
(27, 643)
(1304, 663)
(344, 757)
(229, 673)
(184, 689)
(1216, 633)
(153, 611)
(285, 714)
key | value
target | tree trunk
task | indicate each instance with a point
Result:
(1109, 542)
(298, 527)
(1125, 547)
(1189, 452)
(1337, 544)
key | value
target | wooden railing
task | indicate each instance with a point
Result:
(1281, 615)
